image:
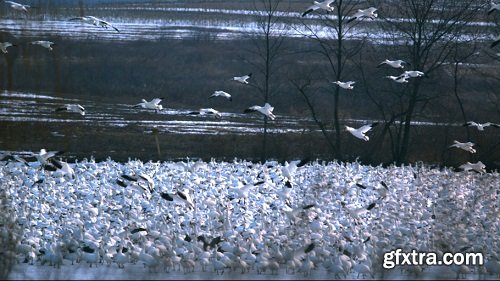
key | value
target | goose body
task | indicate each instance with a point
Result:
(96, 22)
(398, 79)
(494, 7)
(44, 43)
(242, 79)
(478, 167)
(481, 126)
(366, 13)
(325, 5)
(267, 110)
(207, 111)
(467, 146)
(18, 6)
(393, 63)
(153, 104)
(346, 85)
(72, 108)
(360, 133)
(4, 46)
(222, 94)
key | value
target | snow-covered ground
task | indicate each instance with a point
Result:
(322, 220)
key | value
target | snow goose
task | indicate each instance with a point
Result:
(478, 167)
(242, 79)
(267, 110)
(153, 104)
(366, 13)
(72, 108)
(393, 63)
(4, 46)
(44, 43)
(17, 6)
(412, 74)
(222, 94)
(288, 170)
(95, 21)
(361, 131)
(44, 155)
(398, 79)
(325, 5)
(207, 111)
(346, 85)
(467, 146)
(63, 167)
(494, 7)
(141, 179)
(480, 126)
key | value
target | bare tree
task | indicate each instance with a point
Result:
(430, 32)
(267, 46)
(341, 43)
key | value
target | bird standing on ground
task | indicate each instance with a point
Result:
(72, 108)
(346, 85)
(267, 110)
(44, 43)
(366, 13)
(360, 132)
(325, 5)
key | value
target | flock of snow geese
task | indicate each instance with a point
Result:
(295, 217)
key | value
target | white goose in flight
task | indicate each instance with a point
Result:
(43, 43)
(467, 146)
(242, 79)
(153, 104)
(346, 85)
(393, 63)
(221, 94)
(72, 108)
(481, 126)
(477, 167)
(366, 13)
(399, 79)
(325, 5)
(361, 131)
(267, 110)
(17, 6)
(4, 46)
(412, 74)
(95, 21)
(207, 111)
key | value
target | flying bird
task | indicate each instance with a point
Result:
(325, 5)
(153, 104)
(17, 6)
(221, 94)
(366, 13)
(346, 85)
(43, 43)
(480, 126)
(478, 167)
(411, 74)
(242, 79)
(72, 108)
(207, 111)
(467, 146)
(4, 46)
(96, 22)
(399, 79)
(360, 132)
(393, 63)
(494, 7)
(267, 110)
